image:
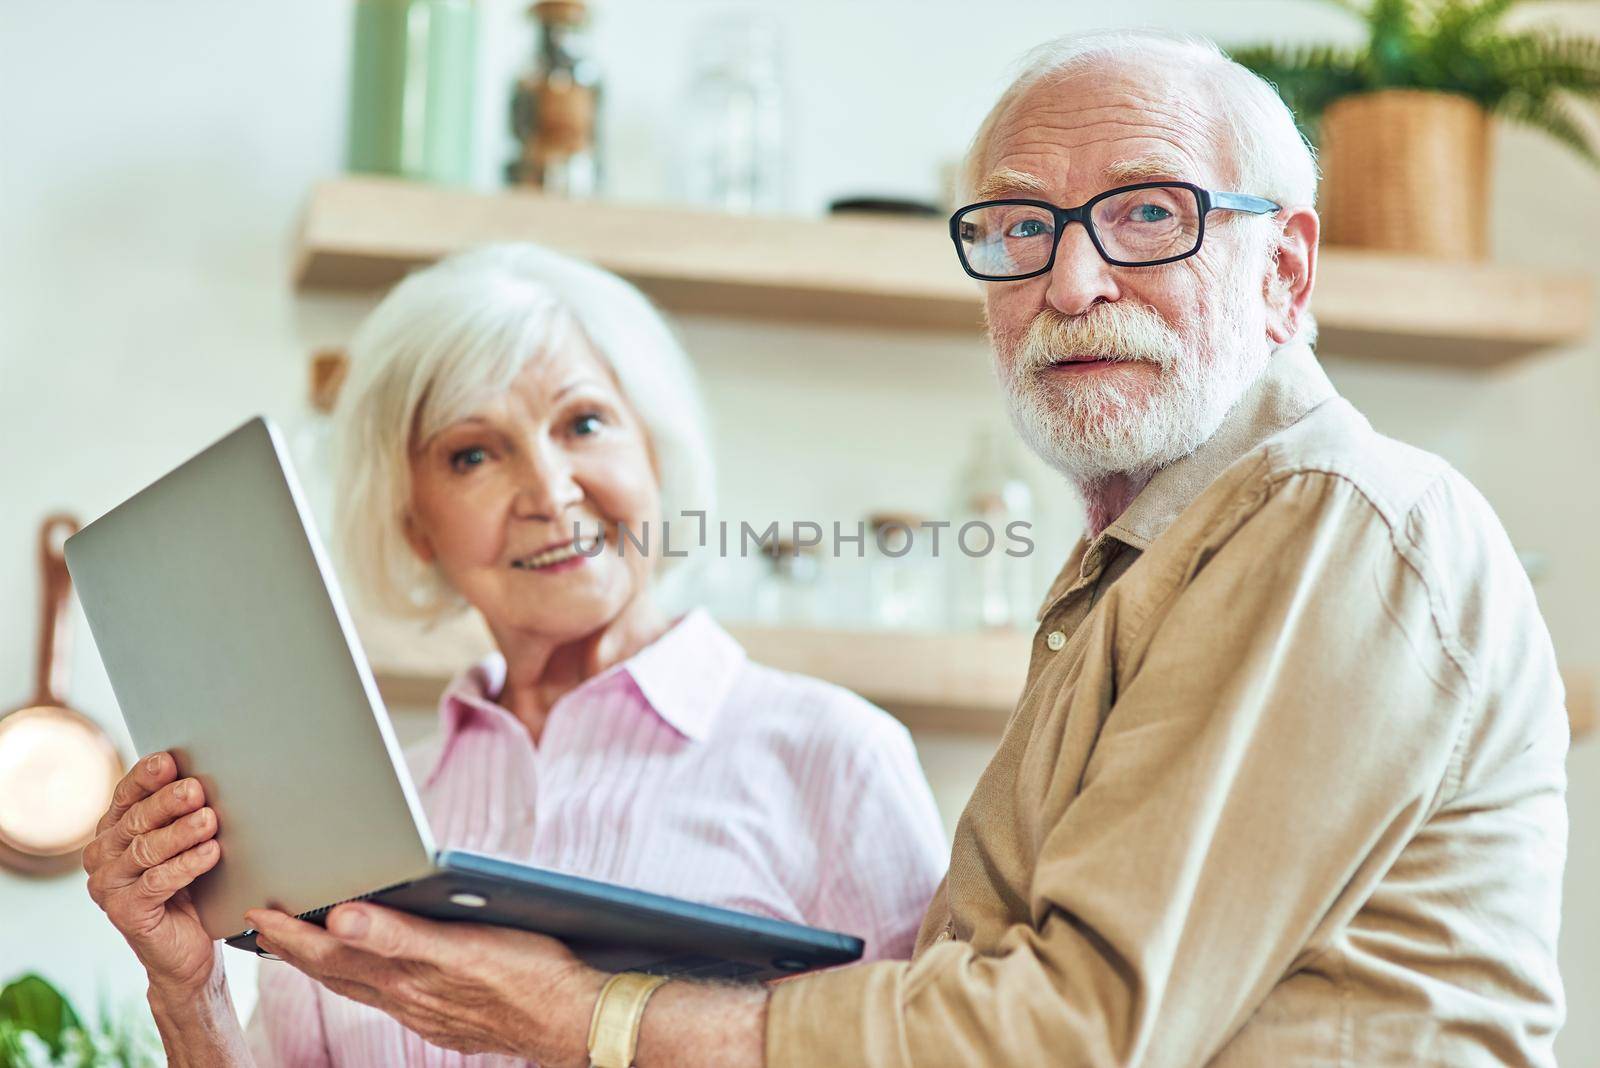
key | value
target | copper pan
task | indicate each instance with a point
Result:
(57, 767)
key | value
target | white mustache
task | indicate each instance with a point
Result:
(1118, 331)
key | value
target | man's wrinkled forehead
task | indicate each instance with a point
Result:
(1104, 125)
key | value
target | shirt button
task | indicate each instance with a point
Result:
(1055, 640)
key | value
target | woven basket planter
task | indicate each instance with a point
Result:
(1406, 170)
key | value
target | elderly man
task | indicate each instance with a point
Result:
(1284, 786)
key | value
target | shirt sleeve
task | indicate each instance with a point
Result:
(1284, 723)
(888, 852)
(285, 1030)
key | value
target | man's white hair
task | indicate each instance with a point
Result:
(452, 336)
(1271, 158)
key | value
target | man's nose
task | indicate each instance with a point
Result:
(546, 486)
(1080, 278)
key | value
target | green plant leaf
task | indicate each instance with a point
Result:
(1461, 20)
(1542, 62)
(1454, 46)
(31, 1004)
(1307, 77)
(1555, 119)
(11, 1049)
(1394, 44)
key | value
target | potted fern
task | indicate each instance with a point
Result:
(1402, 122)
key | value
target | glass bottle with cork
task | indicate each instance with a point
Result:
(555, 106)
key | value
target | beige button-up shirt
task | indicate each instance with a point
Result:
(1289, 792)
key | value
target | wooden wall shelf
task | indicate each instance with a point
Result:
(935, 681)
(948, 681)
(363, 233)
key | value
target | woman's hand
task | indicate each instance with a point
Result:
(464, 986)
(156, 837)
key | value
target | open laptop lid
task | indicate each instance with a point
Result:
(227, 641)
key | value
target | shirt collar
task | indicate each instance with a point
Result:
(474, 690)
(684, 677)
(1292, 385)
(686, 674)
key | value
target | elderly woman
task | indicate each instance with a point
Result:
(509, 413)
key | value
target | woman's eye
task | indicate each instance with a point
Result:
(467, 459)
(1149, 213)
(587, 423)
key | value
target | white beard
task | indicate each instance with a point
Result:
(1095, 428)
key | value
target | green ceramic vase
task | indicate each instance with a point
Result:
(411, 91)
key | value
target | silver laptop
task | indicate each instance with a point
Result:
(227, 642)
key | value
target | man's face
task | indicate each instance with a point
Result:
(1121, 370)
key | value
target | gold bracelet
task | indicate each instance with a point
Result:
(614, 1028)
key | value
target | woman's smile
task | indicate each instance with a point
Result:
(562, 557)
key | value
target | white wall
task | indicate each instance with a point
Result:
(153, 158)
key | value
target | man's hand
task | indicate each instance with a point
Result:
(157, 836)
(463, 986)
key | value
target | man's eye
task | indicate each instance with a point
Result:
(1150, 213)
(1028, 228)
(587, 423)
(466, 459)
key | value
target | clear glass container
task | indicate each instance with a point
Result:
(734, 129)
(555, 108)
(789, 592)
(903, 576)
(989, 587)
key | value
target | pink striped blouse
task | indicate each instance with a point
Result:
(685, 770)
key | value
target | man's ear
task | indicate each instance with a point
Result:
(417, 539)
(1290, 275)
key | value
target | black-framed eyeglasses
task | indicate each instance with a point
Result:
(1140, 225)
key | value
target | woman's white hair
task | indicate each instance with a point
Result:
(1271, 158)
(458, 333)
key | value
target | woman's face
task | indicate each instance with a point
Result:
(495, 497)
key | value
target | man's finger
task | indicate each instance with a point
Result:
(389, 933)
(142, 780)
(156, 810)
(159, 883)
(161, 808)
(295, 955)
(304, 945)
(156, 847)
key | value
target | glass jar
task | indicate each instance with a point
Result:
(555, 107)
(733, 136)
(903, 582)
(989, 587)
(789, 592)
